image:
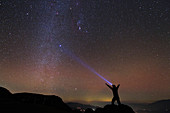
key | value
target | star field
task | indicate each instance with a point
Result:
(127, 42)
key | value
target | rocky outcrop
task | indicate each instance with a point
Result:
(112, 109)
(31, 103)
(39, 99)
(4, 92)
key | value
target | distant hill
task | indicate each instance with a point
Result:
(162, 106)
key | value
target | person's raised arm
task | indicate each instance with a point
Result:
(118, 86)
(108, 85)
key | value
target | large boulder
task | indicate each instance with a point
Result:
(125, 109)
(115, 109)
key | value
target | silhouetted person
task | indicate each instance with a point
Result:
(115, 93)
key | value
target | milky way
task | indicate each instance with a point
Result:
(127, 42)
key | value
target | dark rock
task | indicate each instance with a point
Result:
(125, 109)
(31, 103)
(38, 99)
(89, 110)
(77, 111)
(99, 110)
(115, 109)
(4, 92)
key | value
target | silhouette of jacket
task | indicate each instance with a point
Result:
(115, 93)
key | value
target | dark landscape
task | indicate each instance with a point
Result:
(38, 103)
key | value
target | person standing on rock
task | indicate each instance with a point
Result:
(115, 93)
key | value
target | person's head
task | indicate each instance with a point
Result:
(113, 86)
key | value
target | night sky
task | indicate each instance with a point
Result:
(126, 41)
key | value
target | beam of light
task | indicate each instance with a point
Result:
(73, 56)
